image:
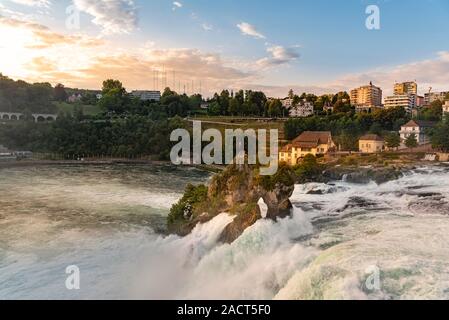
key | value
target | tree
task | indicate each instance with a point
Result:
(340, 107)
(376, 128)
(308, 170)
(214, 109)
(59, 93)
(291, 94)
(392, 140)
(440, 137)
(433, 112)
(224, 101)
(110, 85)
(275, 108)
(411, 141)
(234, 107)
(348, 141)
(115, 99)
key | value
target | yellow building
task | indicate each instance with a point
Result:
(371, 143)
(309, 142)
(405, 88)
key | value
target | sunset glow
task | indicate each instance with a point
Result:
(190, 43)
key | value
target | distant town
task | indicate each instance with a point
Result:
(361, 121)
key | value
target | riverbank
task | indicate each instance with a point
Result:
(31, 163)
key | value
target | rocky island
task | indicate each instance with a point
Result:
(238, 189)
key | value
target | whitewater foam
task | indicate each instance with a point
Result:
(294, 258)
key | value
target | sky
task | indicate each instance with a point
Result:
(320, 46)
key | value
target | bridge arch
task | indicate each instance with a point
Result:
(13, 117)
(40, 119)
(5, 116)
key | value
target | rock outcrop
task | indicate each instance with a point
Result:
(237, 191)
(362, 175)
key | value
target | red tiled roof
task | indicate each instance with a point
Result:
(371, 137)
(420, 123)
(286, 148)
(311, 139)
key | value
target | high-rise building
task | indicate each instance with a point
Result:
(434, 96)
(406, 88)
(407, 101)
(420, 101)
(367, 97)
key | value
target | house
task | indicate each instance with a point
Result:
(75, 98)
(417, 127)
(287, 103)
(371, 143)
(301, 110)
(309, 142)
(285, 155)
(328, 107)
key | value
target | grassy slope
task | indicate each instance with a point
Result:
(233, 123)
(69, 108)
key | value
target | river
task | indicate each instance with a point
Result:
(109, 221)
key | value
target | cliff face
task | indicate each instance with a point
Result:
(237, 191)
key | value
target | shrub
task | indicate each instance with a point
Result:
(284, 176)
(308, 169)
(185, 207)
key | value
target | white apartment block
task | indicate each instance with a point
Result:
(302, 110)
(407, 101)
(146, 95)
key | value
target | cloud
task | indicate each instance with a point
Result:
(113, 16)
(136, 70)
(43, 37)
(279, 55)
(428, 73)
(176, 5)
(33, 3)
(207, 27)
(189, 64)
(250, 30)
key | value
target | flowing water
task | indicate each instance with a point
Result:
(110, 222)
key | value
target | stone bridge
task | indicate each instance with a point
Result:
(38, 117)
